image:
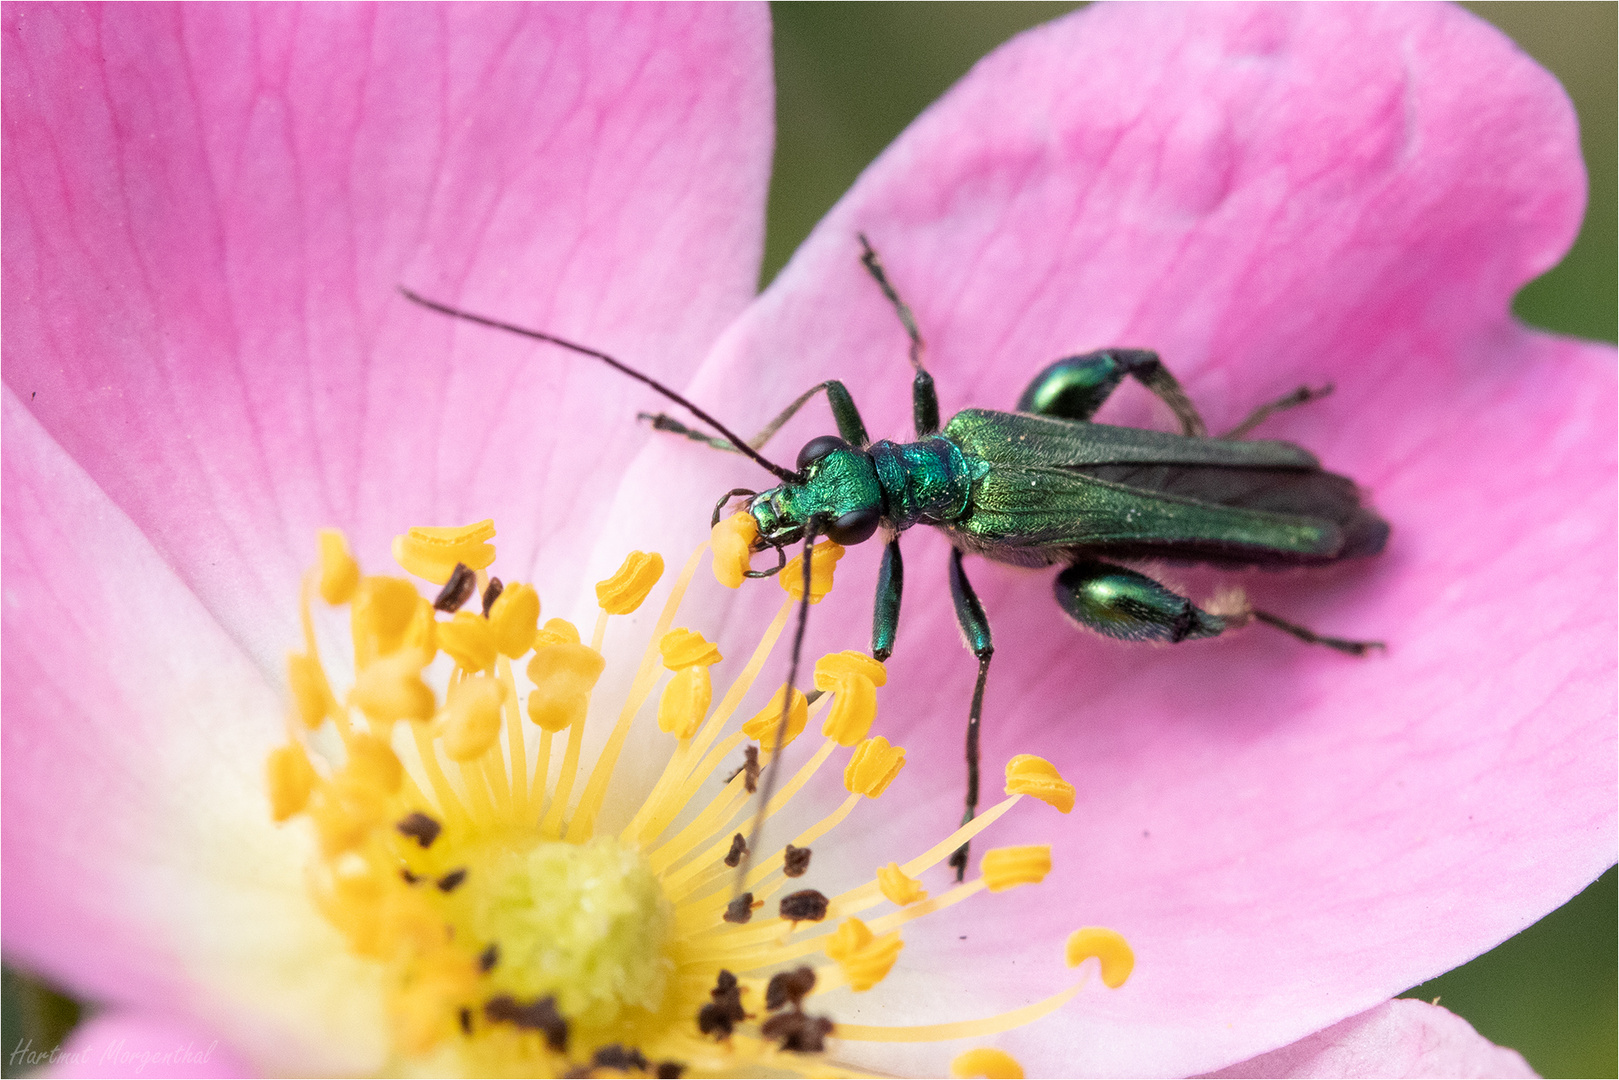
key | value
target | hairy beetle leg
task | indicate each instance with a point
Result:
(975, 630)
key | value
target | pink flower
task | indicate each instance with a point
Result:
(205, 214)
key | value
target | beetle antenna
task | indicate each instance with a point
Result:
(785, 475)
(769, 783)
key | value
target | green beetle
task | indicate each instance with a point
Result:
(1046, 486)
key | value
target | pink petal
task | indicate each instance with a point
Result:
(207, 211)
(1271, 196)
(132, 1044)
(140, 863)
(1398, 1038)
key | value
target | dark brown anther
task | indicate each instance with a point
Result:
(541, 1015)
(740, 910)
(727, 995)
(799, 1033)
(724, 983)
(805, 906)
(750, 766)
(795, 860)
(420, 828)
(458, 590)
(620, 1057)
(739, 848)
(489, 958)
(491, 594)
(452, 881)
(500, 1009)
(789, 988)
(670, 1070)
(714, 1019)
(410, 878)
(466, 1021)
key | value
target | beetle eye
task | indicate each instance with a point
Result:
(855, 526)
(817, 448)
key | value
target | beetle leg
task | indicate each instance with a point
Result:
(1304, 634)
(1298, 397)
(924, 398)
(1124, 604)
(1074, 388)
(975, 628)
(885, 611)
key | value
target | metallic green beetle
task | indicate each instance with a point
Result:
(1045, 486)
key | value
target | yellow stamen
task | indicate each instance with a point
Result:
(873, 767)
(514, 619)
(564, 674)
(339, 573)
(382, 612)
(511, 937)
(854, 710)
(431, 552)
(1109, 947)
(469, 641)
(986, 1062)
(685, 702)
(732, 540)
(627, 588)
(1008, 867)
(310, 692)
(765, 725)
(865, 958)
(1030, 775)
(898, 888)
(835, 666)
(291, 779)
(392, 689)
(474, 715)
(791, 578)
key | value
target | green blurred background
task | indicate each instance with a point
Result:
(849, 77)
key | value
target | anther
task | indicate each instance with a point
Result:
(714, 1020)
(763, 726)
(1109, 947)
(627, 588)
(465, 1016)
(798, 1033)
(458, 590)
(807, 905)
(431, 552)
(420, 828)
(474, 718)
(469, 641)
(542, 1016)
(1030, 775)
(872, 767)
(833, 667)
(791, 578)
(739, 848)
(373, 764)
(899, 887)
(310, 690)
(491, 593)
(670, 1070)
(789, 988)
(407, 877)
(489, 958)
(339, 573)
(854, 708)
(382, 610)
(514, 619)
(563, 674)
(986, 1062)
(392, 688)
(620, 1057)
(740, 910)
(1008, 867)
(795, 861)
(452, 881)
(685, 701)
(732, 542)
(865, 958)
(750, 766)
(291, 779)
